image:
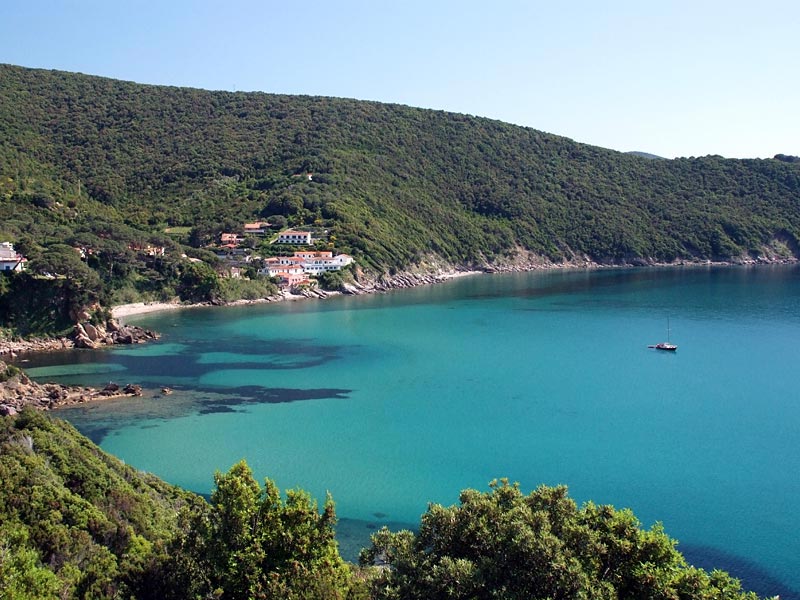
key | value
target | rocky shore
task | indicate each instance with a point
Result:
(17, 391)
(84, 335)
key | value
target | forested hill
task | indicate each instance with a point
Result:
(394, 185)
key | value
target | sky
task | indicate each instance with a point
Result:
(672, 78)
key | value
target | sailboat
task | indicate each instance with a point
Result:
(667, 346)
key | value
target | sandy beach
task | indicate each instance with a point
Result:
(138, 308)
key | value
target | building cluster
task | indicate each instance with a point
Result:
(294, 270)
(10, 260)
(291, 270)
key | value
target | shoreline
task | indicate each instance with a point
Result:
(405, 279)
(122, 311)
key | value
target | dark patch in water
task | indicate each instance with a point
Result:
(253, 394)
(215, 408)
(380, 515)
(279, 354)
(753, 576)
(245, 395)
(97, 434)
(100, 420)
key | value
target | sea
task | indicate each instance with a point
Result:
(394, 401)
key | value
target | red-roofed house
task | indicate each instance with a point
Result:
(230, 240)
(257, 228)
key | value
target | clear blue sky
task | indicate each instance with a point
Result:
(675, 78)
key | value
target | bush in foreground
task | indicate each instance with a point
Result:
(503, 544)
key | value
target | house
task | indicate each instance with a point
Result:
(314, 254)
(289, 275)
(294, 237)
(257, 228)
(315, 263)
(311, 262)
(229, 240)
(9, 259)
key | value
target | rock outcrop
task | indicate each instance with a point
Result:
(17, 390)
(87, 335)
(84, 335)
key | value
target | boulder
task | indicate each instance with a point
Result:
(83, 341)
(132, 389)
(92, 332)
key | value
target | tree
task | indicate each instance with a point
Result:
(198, 282)
(503, 544)
(252, 544)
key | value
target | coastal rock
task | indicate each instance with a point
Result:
(18, 391)
(110, 388)
(83, 341)
(92, 332)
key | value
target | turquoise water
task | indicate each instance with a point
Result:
(395, 400)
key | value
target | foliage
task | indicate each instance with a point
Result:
(503, 544)
(76, 522)
(232, 289)
(333, 280)
(252, 544)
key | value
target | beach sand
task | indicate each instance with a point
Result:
(138, 308)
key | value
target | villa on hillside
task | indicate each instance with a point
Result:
(294, 237)
(257, 228)
(9, 259)
(289, 275)
(319, 262)
(310, 263)
(229, 240)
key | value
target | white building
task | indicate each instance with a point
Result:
(294, 237)
(9, 259)
(290, 275)
(315, 263)
(310, 263)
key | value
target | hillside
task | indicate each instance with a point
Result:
(74, 521)
(111, 165)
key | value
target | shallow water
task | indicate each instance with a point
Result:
(395, 400)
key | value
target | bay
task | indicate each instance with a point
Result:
(393, 401)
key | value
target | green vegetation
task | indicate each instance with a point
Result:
(78, 523)
(74, 521)
(503, 544)
(112, 166)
